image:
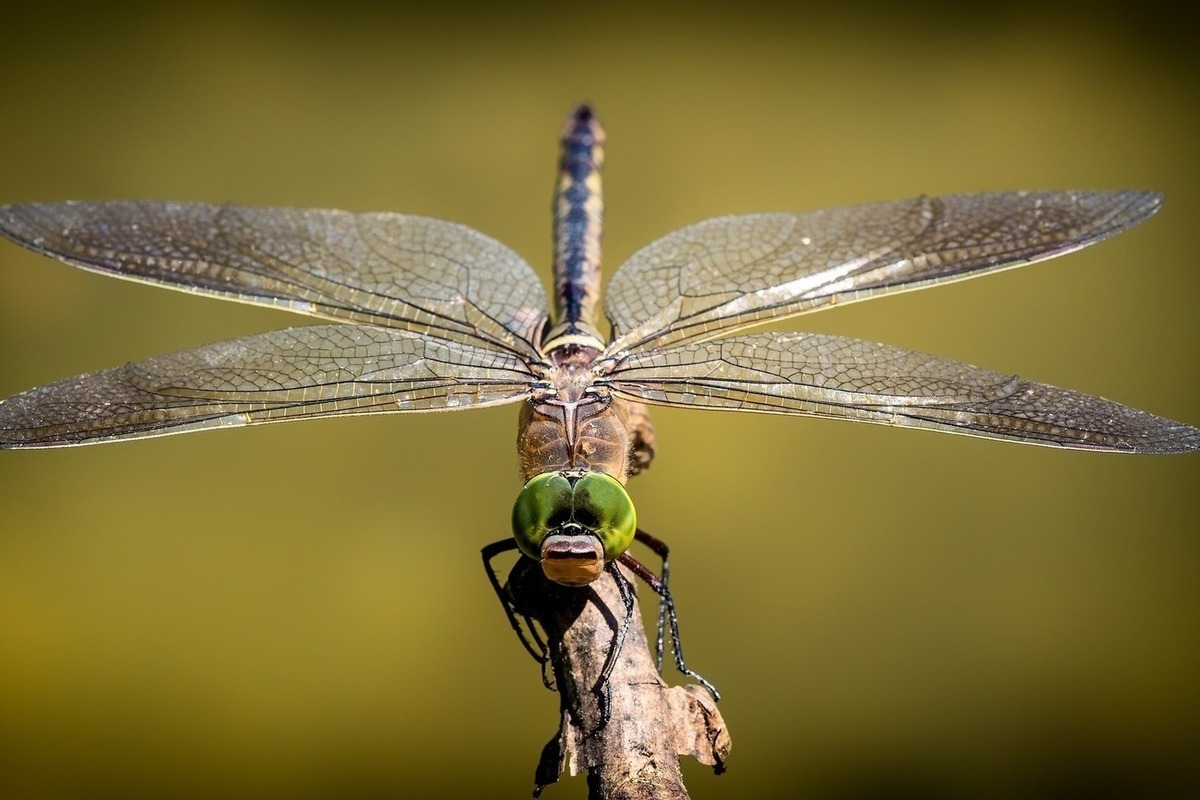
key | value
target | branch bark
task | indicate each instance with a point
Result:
(636, 753)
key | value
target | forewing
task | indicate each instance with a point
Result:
(723, 274)
(833, 376)
(393, 270)
(299, 373)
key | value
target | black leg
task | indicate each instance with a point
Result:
(659, 548)
(659, 587)
(528, 634)
(602, 689)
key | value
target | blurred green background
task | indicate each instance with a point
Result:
(299, 610)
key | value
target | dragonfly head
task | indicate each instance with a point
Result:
(573, 523)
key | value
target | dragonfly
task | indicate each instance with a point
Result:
(425, 315)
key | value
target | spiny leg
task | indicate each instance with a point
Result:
(527, 634)
(659, 547)
(641, 437)
(602, 689)
(653, 581)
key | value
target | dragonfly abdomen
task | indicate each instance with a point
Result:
(578, 214)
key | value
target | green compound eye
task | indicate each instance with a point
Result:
(544, 503)
(596, 502)
(603, 507)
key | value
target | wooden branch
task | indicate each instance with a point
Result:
(636, 754)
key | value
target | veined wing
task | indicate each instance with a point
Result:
(717, 276)
(833, 376)
(393, 270)
(299, 373)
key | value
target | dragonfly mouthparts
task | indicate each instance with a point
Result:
(572, 555)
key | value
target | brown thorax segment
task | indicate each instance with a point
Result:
(573, 424)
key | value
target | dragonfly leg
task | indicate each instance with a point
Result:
(528, 634)
(660, 588)
(659, 548)
(641, 436)
(603, 688)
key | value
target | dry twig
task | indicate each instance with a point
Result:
(636, 753)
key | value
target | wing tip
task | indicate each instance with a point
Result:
(1179, 439)
(1142, 204)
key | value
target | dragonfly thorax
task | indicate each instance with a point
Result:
(573, 523)
(572, 422)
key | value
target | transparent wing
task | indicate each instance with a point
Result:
(387, 269)
(833, 376)
(724, 274)
(299, 373)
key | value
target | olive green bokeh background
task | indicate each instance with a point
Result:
(298, 610)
